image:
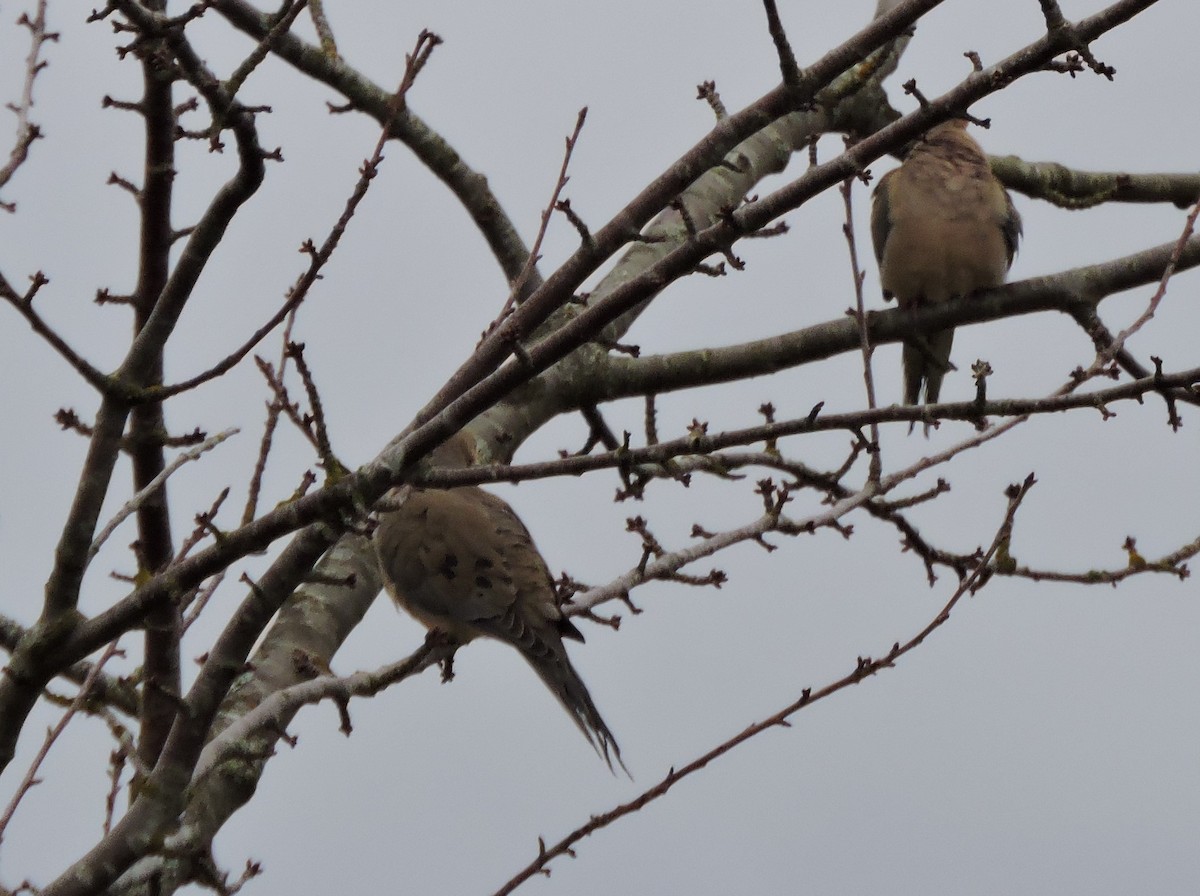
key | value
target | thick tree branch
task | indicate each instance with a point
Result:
(1074, 189)
(154, 547)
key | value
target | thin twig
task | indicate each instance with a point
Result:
(283, 23)
(154, 485)
(860, 314)
(27, 131)
(519, 284)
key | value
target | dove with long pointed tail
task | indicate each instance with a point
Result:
(460, 561)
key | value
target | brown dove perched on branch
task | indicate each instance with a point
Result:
(943, 227)
(462, 562)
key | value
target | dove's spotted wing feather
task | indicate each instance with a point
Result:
(440, 565)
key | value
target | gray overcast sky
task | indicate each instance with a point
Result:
(1043, 741)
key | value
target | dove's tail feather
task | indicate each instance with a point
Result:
(564, 682)
(925, 364)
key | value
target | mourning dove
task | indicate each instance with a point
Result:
(461, 561)
(943, 227)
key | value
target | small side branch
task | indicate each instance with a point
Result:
(284, 703)
(27, 131)
(132, 505)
